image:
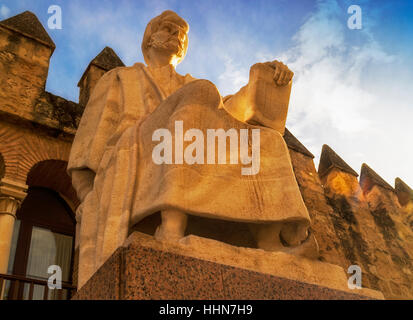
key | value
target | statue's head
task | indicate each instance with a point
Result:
(166, 35)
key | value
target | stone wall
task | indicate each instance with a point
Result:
(360, 224)
(331, 250)
(24, 64)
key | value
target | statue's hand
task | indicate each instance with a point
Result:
(266, 96)
(282, 75)
(275, 70)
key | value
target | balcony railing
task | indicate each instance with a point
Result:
(22, 288)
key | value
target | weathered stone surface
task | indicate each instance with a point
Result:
(24, 65)
(343, 220)
(2, 166)
(25, 51)
(405, 196)
(322, 224)
(390, 220)
(355, 227)
(57, 110)
(368, 232)
(27, 24)
(329, 160)
(369, 178)
(403, 191)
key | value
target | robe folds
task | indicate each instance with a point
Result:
(114, 142)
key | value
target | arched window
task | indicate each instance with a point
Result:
(43, 236)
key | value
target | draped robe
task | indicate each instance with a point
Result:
(114, 144)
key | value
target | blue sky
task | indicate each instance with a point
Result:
(352, 88)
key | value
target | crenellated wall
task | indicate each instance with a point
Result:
(364, 222)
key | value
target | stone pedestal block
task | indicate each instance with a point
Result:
(198, 268)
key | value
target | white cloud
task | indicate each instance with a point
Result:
(333, 103)
(4, 11)
(236, 74)
(108, 27)
(233, 77)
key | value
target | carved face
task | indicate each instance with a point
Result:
(169, 37)
(167, 34)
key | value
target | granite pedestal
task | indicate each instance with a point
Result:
(198, 268)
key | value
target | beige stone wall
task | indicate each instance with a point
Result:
(370, 229)
(394, 263)
(320, 211)
(24, 65)
(353, 222)
(371, 233)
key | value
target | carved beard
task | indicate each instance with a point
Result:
(156, 44)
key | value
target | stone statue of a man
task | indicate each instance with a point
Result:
(119, 184)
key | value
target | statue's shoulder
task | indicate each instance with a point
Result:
(189, 78)
(123, 71)
(120, 75)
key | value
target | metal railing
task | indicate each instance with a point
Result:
(17, 284)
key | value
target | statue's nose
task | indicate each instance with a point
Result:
(179, 33)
